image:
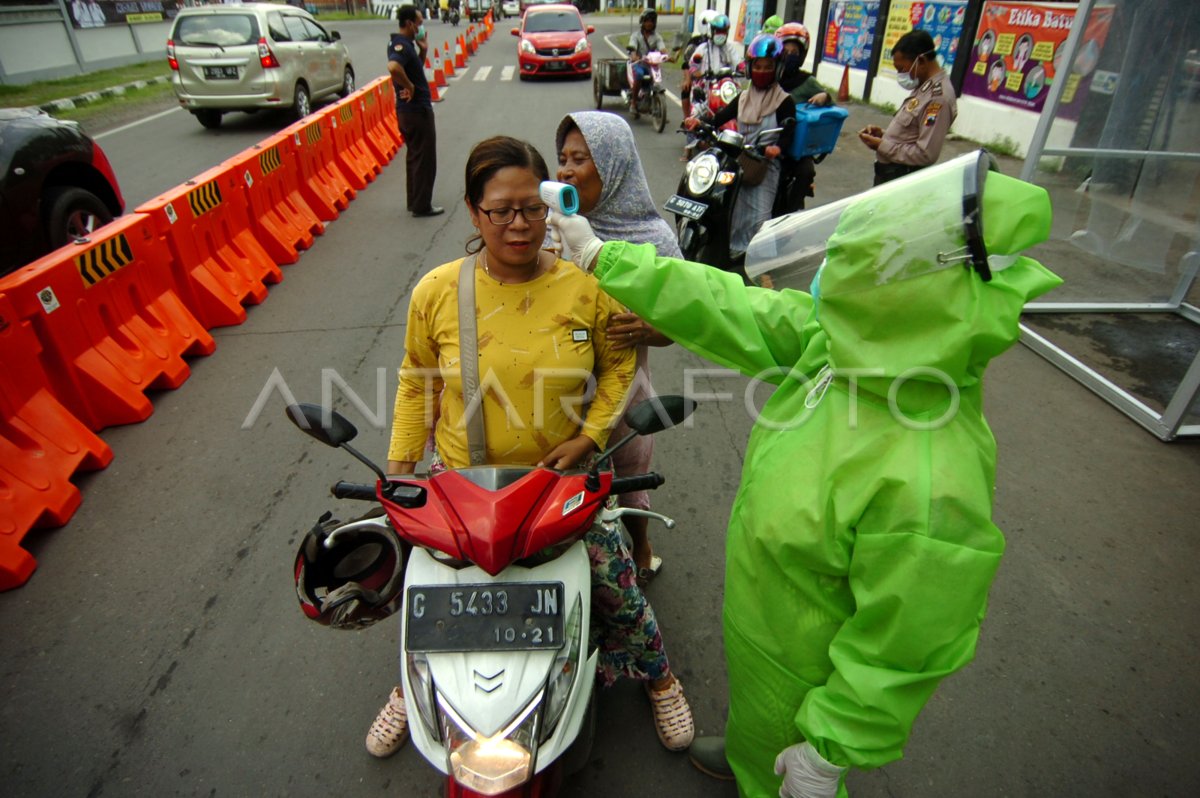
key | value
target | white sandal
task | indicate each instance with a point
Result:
(390, 729)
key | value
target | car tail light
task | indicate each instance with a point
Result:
(171, 55)
(265, 55)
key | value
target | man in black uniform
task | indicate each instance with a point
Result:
(414, 109)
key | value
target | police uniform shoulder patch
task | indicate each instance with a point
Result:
(912, 104)
(931, 113)
(397, 48)
(937, 89)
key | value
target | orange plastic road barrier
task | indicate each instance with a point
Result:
(322, 184)
(382, 145)
(41, 446)
(388, 123)
(279, 217)
(217, 262)
(354, 157)
(109, 322)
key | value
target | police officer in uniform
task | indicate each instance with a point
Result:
(914, 138)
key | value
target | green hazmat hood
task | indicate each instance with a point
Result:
(920, 278)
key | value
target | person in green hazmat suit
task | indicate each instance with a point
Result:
(850, 596)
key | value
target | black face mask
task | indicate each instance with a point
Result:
(791, 64)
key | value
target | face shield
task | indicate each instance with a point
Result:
(925, 222)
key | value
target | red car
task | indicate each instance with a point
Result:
(553, 42)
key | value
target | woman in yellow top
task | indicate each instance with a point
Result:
(541, 346)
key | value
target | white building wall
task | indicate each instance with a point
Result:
(33, 46)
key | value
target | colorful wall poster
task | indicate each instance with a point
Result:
(750, 18)
(99, 13)
(1013, 59)
(850, 32)
(943, 20)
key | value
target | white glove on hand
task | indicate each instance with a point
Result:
(806, 774)
(579, 243)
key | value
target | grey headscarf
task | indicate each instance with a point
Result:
(626, 211)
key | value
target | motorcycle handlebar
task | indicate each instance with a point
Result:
(352, 490)
(640, 482)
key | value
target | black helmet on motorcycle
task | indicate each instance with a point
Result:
(649, 15)
(357, 581)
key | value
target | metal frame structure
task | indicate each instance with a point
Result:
(1168, 424)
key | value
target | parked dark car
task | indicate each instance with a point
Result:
(56, 185)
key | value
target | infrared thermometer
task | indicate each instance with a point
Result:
(562, 197)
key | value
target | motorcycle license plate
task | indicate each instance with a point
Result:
(221, 72)
(686, 207)
(509, 616)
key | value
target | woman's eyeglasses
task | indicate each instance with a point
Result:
(503, 216)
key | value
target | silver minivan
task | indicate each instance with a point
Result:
(251, 56)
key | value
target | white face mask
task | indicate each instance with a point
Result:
(907, 80)
(720, 39)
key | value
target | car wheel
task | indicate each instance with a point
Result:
(301, 104)
(73, 213)
(347, 83)
(209, 118)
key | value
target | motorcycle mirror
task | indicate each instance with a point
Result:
(330, 428)
(646, 418)
(659, 413)
(311, 419)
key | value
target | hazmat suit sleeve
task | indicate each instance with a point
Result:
(759, 332)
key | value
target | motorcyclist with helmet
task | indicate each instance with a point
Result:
(796, 180)
(644, 41)
(714, 54)
(762, 106)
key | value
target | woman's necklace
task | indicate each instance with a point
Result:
(488, 272)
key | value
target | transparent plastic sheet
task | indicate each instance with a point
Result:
(919, 219)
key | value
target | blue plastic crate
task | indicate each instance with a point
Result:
(817, 129)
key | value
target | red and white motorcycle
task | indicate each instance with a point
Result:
(495, 603)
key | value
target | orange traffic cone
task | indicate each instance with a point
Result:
(448, 67)
(460, 58)
(439, 75)
(844, 89)
(430, 78)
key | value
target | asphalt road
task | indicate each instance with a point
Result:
(158, 650)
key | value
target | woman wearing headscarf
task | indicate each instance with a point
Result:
(598, 155)
(764, 105)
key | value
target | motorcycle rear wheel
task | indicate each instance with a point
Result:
(658, 109)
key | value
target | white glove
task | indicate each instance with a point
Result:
(806, 774)
(579, 243)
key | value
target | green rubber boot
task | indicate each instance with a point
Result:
(708, 755)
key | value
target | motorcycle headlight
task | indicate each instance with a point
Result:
(581, 45)
(702, 172)
(728, 92)
(422, 691)
(495, 764)
(562, 672)
(527, 47)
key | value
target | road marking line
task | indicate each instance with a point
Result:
(135, 124)
(458, 73)
(670, 94)
(506, 73)
(483, 73)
